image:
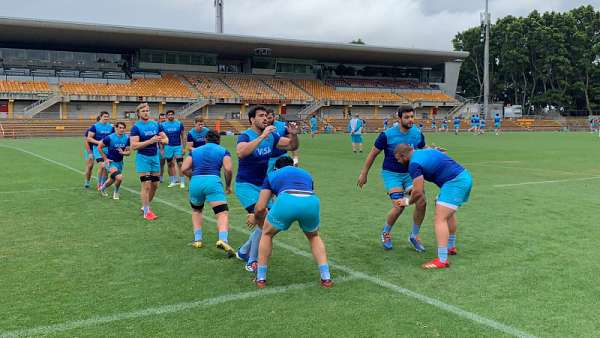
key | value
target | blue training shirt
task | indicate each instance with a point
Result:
(173, 130)
(101, 130)
(457, 121)
(434, 166)
(253, 168)
(288, 178)
(197, 137)
(390, 139)
(281, 129)
(497, 119)
(147, 130)
(208, 160)
(113, 142)
(313, 122)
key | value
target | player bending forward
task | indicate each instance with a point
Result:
(203, 167)
(296, 201)
(455, 184)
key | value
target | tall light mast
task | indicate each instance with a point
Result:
(486, 61)
(219, 16)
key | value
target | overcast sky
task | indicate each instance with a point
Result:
(429, 24)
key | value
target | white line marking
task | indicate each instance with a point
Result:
(546, 182)
(160, 310)
(39, 190)
(428, 300)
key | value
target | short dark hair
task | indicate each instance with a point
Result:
(198, 119)
(283, 161)
(213, 137)
(270, 111)
(103, 113)
(97, 118)
(121, 124)
(162, 114)
(253, 110)
(405, 109)
(170, 111)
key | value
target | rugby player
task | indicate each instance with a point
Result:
(145, 136)
(117, 145)
(254, 148)
(203, 167)
(395, 176)
(455, 184)
(173, 152)
(355, 128)
(296, 201)
(96, 134)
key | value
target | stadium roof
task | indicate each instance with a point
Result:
(44, 34)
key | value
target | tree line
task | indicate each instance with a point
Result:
(549, 59)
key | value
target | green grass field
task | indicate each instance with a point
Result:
(75, 264)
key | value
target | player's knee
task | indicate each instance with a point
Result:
(169, 160)
(146, 178)
(179, 160)
(220, 209)
(312, 234)
(115, 175)
(197, 208)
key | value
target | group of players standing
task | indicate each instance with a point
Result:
(274, 192)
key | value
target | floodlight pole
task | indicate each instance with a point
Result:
(219, 16)
(486, 62)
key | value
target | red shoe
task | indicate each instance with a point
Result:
(452, 251)
(150, 216)
(326, 283)
(436, 264)
(260, 283)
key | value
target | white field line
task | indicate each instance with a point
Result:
(376, 280)
(546, 182)
(160, 310)
(38, 190)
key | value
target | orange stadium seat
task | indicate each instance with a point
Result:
(326, 92)
(250, 88)
(426, 96)
(164, 87)
(24, 87)
(210, 87)
(288, 89)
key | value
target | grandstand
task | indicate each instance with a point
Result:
(65, 70)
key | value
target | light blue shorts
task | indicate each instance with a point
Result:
(173, 151)
(455, 192)
(457, 126)
(396, 180)
(96, 152)
(289, 208)
(247, 193)
(206, 188)
(496, 125)
(272, 161)
(147, 164)
(313, 130)
(117, 165)
(356, 138)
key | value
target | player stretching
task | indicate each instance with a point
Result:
(355, 128)
(455, 184)
(196, 137)
(174, 150)
(145, 136)
(203, 167)
(281, 129)
(118, 146)
(97, 133)
(88, 156)
(314, 126)
(395, 176)
(497, 124)
(296, 201)
(482, 125)
(254, 148)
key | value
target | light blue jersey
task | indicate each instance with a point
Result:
(198, 138)
(206, 184)
(253, 168)
(173, 130)
(112, 144)
(145, 131)
(455, 182)
(390, 139)
(313, 123)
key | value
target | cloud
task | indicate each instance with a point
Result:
(428, 24)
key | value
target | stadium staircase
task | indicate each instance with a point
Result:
(191, 108)
(311, 108)
(39, 106)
